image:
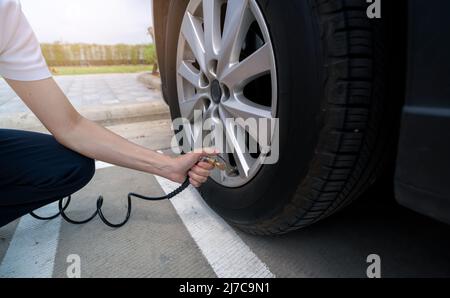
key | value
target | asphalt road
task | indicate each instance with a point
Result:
(184, 238)
(409, 245)
(168, 240)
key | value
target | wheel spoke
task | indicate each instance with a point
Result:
(187, 107)
(193, 33)
(240, 107)
(193, 132)
(237, 23)
(190, 74)
(235, 138)
(211, 19)
(187, 138)
(249, 112)
(256, 65)
(244, 161)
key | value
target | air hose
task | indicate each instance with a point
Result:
(63, 206)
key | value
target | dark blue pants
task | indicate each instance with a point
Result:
(35, 170)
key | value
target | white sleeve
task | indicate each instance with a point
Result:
(20, 53)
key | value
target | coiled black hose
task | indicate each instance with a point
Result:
(62, 208)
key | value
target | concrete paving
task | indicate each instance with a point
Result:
(88, 90)
(150, 80)
(105, 98)
(156, 243)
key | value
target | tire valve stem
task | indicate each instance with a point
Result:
(222, 166)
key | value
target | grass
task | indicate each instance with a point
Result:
(81, 70)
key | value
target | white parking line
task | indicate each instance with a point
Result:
(227, 254)
(102, 165)
(224, 250)
(31, 252)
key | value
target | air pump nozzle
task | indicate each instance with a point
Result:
(222, 165)
(217, 164)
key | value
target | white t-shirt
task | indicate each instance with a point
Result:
(20, 54)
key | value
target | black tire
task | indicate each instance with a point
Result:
(335, 121)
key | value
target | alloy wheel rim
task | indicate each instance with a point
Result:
(225, 50)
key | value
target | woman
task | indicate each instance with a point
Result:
(38, 169)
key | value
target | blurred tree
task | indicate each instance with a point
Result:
(154, 59)
(58, 54)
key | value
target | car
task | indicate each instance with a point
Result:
(357, 95)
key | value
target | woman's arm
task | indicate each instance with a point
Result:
(51, 106)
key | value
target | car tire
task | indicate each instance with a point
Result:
(335, 121)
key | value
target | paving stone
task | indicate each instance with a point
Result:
(86, 90)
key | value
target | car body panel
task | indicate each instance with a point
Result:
(423, 165)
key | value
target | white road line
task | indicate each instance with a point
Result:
(102, 165)
(227, 254)
(32, 250)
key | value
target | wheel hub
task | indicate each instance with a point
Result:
(216, 92)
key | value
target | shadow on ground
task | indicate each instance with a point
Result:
(409, 244)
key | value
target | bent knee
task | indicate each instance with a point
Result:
(83, 170)
(76, 173)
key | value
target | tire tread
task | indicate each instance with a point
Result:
(351, 150)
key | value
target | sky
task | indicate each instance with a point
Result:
(90, 21)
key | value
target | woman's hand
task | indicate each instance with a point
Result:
(191, 165)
